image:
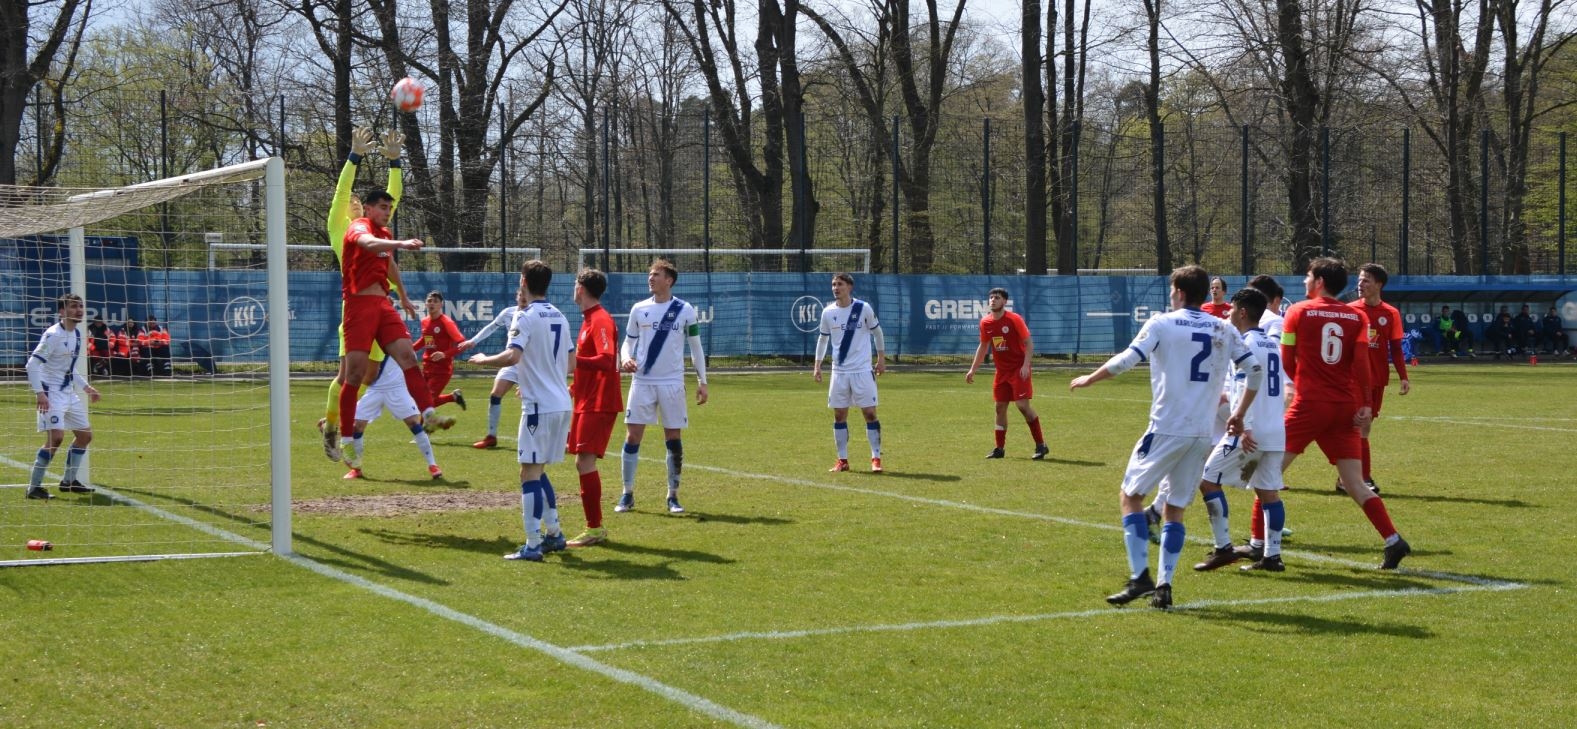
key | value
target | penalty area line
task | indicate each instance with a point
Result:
(679, 696)
(1197, 605)
(946, 503)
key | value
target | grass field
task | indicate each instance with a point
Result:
(950, 591)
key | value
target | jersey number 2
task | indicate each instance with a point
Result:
(1195, 374)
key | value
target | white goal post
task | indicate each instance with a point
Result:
(176, 456)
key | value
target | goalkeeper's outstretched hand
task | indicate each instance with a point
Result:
(361, 140)
(393, 141)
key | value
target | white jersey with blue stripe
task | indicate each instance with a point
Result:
(545, 341)
(1266, 415)
(504, 319)
(659, 340)
(836, 325)
(52, 366)
(1190, 354)
(1270, 321)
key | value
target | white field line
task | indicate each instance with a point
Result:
(1002, 619)
(563, 655)
(1309, 556)
(1486, 423)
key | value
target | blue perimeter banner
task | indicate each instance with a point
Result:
(223, 313)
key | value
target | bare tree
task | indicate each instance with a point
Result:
(20, 73)
(1034, 103)
(1523, 66)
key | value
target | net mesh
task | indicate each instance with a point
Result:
(179, 451)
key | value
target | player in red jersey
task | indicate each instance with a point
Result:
(1006, 336)
(1324, 345)
(369, 315)
(597, 398)
(1385, 349)
(1218, 306)
(441, 341)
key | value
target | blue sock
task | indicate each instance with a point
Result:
(840, 438)
(1275, 521)
(531, 511)
(550, 509)
(675, 462)
(1171, 551)
(1136, 539)
(73, 460)
(1216, 507)
(40, 463)
(873, 433)
(628, 462)
(495, 410)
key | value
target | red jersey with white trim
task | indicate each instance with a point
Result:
(439, 334)
(1324, 350)
(359, 267)
(596, 386)
(1385, 336)
(1006, 336)
(1219, 311)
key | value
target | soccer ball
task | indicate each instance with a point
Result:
(407, 94)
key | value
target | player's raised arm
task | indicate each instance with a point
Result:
(1138, 351)
(393, 140)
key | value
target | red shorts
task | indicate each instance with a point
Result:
(369, 319)
(589, 432)
(1011, 388)
(1376, 396)
(1326, 423)
(437, 375)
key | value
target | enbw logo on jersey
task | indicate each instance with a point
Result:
(805, 312)
(245, 316)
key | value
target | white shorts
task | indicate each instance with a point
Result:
(375, 400)
(649, 403)
(505, 374)
(852, 389)
(542, 436)
(1173, 459)
(66, 411)
(1230, 466)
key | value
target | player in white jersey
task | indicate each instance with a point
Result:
(850, 326)
(1190, 353)
(653, 352)
(388, 392)
(1251, 460)
(540, 350)
(505, 379)
(52, 373)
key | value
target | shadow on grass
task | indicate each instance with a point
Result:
(427, 482)
(592, 560)
(1374, 551)
(1431, 498)
(737, 519)
(917, 476)
(346, 559)
(1072, 462)
(496, 546)
(1292, 623)
(1378, 580)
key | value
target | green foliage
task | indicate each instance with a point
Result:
(1474, 463)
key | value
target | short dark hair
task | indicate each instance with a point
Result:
(844, 277)
(1251, 302)
(435, 294)
(1269, 286)
(376, 196)
(60, 303)
(1194, 282)
(538, 275)
(594, 282)
(667, 267)
(1332, 272)
(996, 291)
(1376, 272)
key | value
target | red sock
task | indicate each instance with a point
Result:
(443, 399)
(1366, 475)
(417, 386)
(1256, 522)
(1034, 430)
(347, 408)
(1002, 437)
(591, 498)
(1381, 519)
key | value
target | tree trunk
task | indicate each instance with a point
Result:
(1302, 104)
(1152, 108)
(1034, 103)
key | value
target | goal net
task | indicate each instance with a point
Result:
(189, 451)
